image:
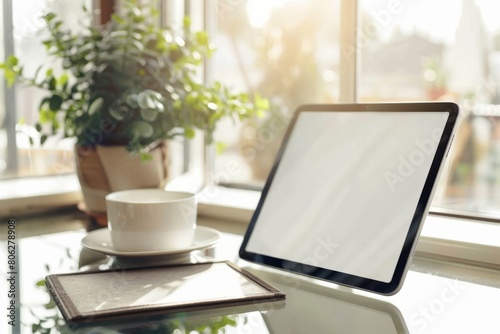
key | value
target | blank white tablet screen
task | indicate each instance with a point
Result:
(346, 189)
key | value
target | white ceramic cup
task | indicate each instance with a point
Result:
(143, 220)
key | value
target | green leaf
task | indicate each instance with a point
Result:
(149, 115)
(49, 17)
(261, 103)
(43, 139)
(96, 105)
(45, 116)
(177, 105)
(52, 83)
(142, 129)
(12, 61)
(119, 112)
(186, 23)
(50, 305)
(58, 24)
(47, 44)
(119, 33)
(55, 102)
(41, 283)
(132, 100)
(220, 148)
(154, 12)
(118, 19)
(63, 79)
(202, 37)
(189, 133)
(146, 157)
(149, 99)
(10, 77)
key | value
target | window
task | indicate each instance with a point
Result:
(446, 50)
(22, 35)
(290, 52)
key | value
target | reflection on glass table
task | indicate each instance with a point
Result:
(239, 319)
(334, 311)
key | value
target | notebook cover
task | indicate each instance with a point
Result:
(100, 295)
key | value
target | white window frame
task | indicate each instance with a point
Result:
(9, 92)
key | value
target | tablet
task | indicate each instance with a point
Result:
(349, 191)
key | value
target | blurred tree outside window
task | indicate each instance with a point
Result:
(286, 51)
(444, 50)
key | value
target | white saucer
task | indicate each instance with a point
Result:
(100, 241)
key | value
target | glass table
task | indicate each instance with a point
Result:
(437, 296)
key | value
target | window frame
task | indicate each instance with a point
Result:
(9, 92)
(104, 8)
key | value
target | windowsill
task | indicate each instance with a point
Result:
(38, 194)
(463, 240)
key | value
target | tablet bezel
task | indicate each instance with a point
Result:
(418, 217)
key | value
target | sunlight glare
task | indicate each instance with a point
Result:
(259, 11)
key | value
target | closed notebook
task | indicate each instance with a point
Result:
(87, 296)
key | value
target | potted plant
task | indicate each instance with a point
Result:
(122, 90)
